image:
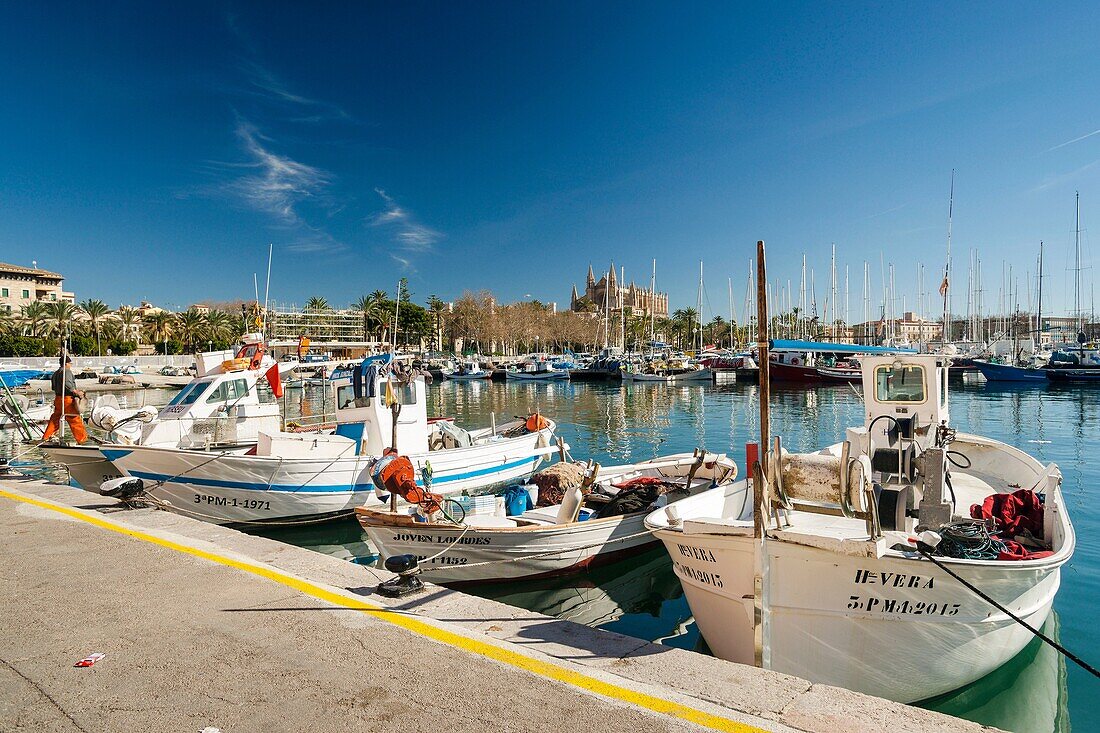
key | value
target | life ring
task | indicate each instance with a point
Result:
(794, 361)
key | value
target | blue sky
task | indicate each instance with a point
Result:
(153, 151)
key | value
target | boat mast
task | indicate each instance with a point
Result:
(699, 309)
(847, 332)
(652, 302)
(866, 301)
(800, 330)
(1039, 307)
(1077, 267)
(831, 310)
(733, 317)
(945, 289)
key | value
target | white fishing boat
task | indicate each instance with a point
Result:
(856, 559)
(538, 368)
(468, 371)
(551, 540)
(223, 408)
(669, 371)
(17, 410)
(291, 476)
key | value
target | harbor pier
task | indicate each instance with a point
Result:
(207, 627)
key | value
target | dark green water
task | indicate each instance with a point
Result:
(1036, 691)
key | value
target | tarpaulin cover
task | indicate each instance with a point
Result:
(796, 345)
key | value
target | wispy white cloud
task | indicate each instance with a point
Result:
(279, 183)
(1074, 140)
(1058, 179)
(263, 82)
(410, 235)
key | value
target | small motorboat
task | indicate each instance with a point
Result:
(18, 412)
(307, 476)
(582, 530)
(468, 371)
(223, 408)
(538, 368)
(669, 370)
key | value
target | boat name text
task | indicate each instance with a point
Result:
(433, 540)
(699, 576)
(893, 580)
(696, 553)
(893, 605)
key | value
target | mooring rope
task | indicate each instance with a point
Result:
(978, 592)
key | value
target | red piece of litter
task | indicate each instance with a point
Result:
(89, 660)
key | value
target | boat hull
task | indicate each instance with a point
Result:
(889, 617)
(698, 375)
(1074, 376)
(232, 487)
(1008, 373)
(537, 376)
(513, 552)
(798, 373)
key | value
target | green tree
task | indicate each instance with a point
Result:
(59, 317)
(34, 318)
(190, 328)
(96, 311)
(219, 327)
(438, 310)
(159, 327)
(317, 304)
(128, 318)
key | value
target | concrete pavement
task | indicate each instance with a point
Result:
(205, 626)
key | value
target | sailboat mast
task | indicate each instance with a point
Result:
(947, 267)
(699, 308)
(652, 302)
(729, 283)
(1077, 266)
(1039, 307)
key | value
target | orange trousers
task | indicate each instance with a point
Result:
(72, 416)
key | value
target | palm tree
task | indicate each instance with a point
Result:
(317, 303)
(369, 307)
(96, 311)
(191, 327)
(60, 315)
(128, 317)
(437, 308)
(380, 320)
(218, 325)
(7, 321)
(34, 317)
(160, 326)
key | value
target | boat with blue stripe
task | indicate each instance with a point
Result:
(303, 476)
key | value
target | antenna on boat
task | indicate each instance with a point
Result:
(267, 289)
(945, 288)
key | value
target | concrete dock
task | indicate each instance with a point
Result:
(204, 626)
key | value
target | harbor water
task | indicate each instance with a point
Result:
(618, 423)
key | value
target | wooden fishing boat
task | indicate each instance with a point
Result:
(861, 561)
(552, 540)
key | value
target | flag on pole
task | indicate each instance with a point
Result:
(943, 287)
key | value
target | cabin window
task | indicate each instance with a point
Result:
(190, 394)
(943, 386)
(229, 391)
(903, 383)
(345, 398)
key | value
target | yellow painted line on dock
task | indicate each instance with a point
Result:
(417, 626)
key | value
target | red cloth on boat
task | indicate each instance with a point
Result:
(1015, 551)
(1014, 513)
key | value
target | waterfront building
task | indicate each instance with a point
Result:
(909, 328)
(617, 297)
(20, 286)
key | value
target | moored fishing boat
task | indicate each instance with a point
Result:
(884, 563)
(222, 408)
(995, 372)
(669, 370)
(551, 540)
(468, 371)
(538, 368)
(293, 476)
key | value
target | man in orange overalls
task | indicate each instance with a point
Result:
(64, 402)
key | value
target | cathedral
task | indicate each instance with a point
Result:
(640, 300)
